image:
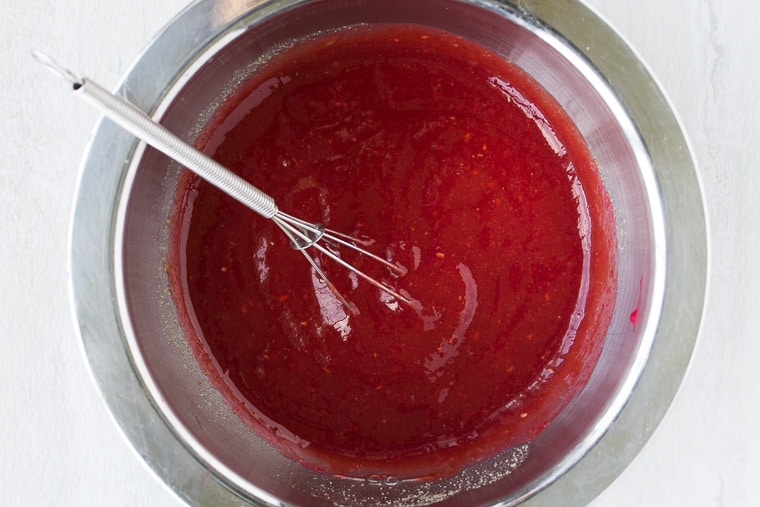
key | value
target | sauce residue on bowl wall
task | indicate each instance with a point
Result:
(457, 166)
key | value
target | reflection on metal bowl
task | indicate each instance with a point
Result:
(184, 429)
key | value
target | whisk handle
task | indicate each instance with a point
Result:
(134, 120)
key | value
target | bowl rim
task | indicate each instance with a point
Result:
(93, 286)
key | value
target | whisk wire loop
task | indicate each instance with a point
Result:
(304, 235)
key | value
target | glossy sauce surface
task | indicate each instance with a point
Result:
(450, 162)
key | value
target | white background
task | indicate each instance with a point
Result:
(58, 445)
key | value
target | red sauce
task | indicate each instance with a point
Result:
(460, 168)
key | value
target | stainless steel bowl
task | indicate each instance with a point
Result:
(182, 427)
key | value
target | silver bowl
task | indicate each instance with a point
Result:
(182, 427)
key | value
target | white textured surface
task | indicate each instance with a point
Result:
(59, 446)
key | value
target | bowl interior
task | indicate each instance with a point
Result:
(198, 415)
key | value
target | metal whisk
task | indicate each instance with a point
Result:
(303, 235)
